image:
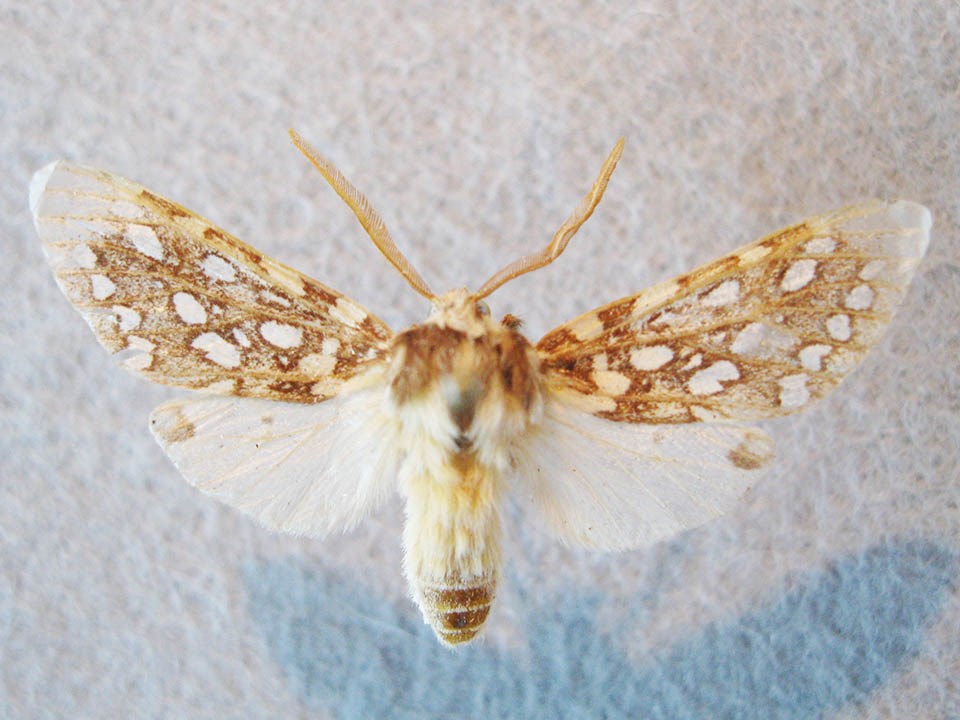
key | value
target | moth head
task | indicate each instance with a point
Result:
(461, 310)
(377, 231)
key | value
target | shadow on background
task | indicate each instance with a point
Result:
(827, 643)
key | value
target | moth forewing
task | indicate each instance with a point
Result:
(760, 332)
(184, 303)
(616, 427)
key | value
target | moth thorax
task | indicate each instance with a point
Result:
(486, 387)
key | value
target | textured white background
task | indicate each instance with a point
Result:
(831, 591)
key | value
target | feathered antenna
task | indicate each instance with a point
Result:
(563, 236)
(365, 213)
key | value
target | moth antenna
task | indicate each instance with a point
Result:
(368, 217)
(563, 236)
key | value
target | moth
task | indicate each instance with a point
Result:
(618, 428)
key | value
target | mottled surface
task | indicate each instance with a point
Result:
(733, 338)
(829, 592)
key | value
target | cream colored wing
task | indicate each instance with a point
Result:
(761, 332)
(183, 303)
(613, 486)
(298, 468)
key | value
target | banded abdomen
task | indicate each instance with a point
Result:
(452, 548)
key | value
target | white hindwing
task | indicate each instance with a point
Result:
(614, 486)
(304, 469)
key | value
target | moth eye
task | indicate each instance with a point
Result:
(483, 310)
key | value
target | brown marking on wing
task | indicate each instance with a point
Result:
(166, 206)
(614, 314)
(250, 255)
(555, 340)
(804, 307)
(134, 268)
(180, 431)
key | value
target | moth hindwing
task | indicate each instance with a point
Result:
(617, 429)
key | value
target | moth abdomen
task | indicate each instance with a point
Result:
(451, 542)
(457, 613)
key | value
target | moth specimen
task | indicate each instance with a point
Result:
(618, 428)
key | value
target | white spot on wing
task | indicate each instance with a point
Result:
(217, 349)
(101, 287)
(189, 309)
(241, 337)
(704, 414)
(220, 387)
(799, 275)
(281, 335)
(145, 240)
(330, 346)
(84, 257)
(860, 298)
(666, 319)
(216, 268)
(317, 364)
(137, 354)
(140, 361)
(723, 294)
(838, 327)
(587, 327)
(135, 342)
(651, 357)
(820, 246)
(611, 382)
(761, 339)
(812, 355)
(695, 361)
(707, 381)
(748, 340)
(129, 319)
